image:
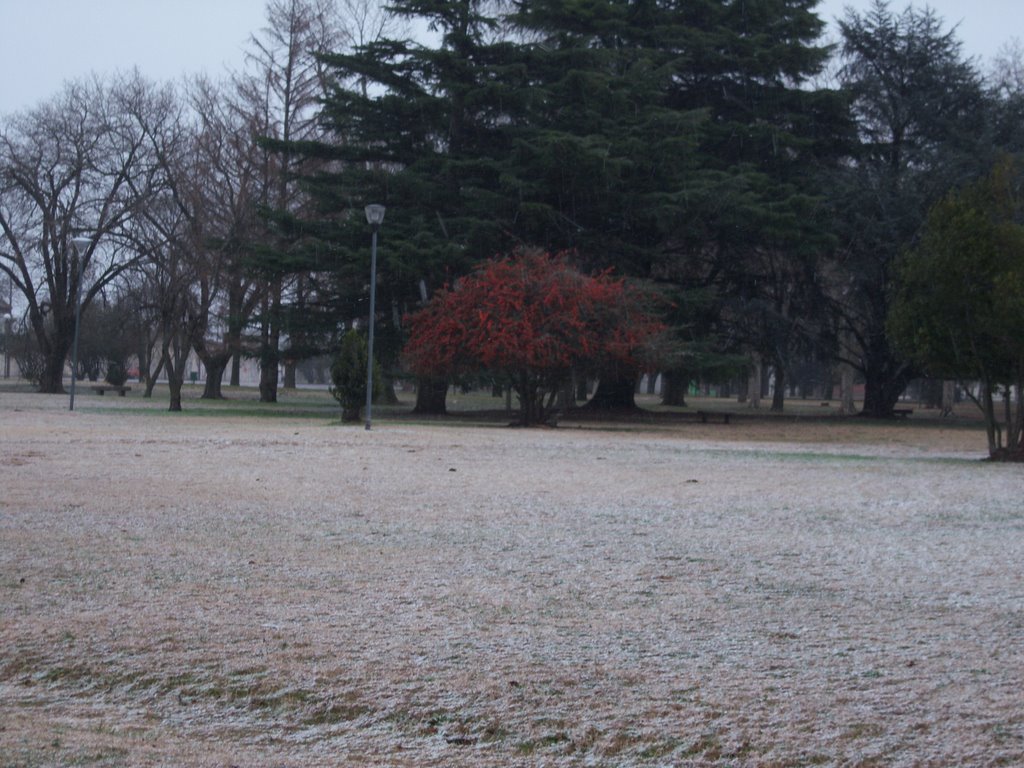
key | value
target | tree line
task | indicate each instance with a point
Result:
(765, 182)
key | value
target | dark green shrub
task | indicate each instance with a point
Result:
(348, 376)
(117, 373)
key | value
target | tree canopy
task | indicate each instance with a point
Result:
(959, 299)
(532, 319)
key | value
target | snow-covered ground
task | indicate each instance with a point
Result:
(196, 590)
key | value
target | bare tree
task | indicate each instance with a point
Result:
(1006, 73)
(81, 163)
(366, 22)
(214, 186)
(170, 279)
(145, 327)
(227, 194)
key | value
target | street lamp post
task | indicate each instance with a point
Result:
(374, 216)
(81, 244)
(8, 319)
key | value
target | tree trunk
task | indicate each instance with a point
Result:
(529, 402)
(270, 338)
(175, 385)
(268, 378)
(145, 357)
(238, 316)
(582, 389)
(779, 395)
(174, 363)
(992, 430)
(215, 366)
(742, 389)
(51, 381)
(948, 397)
(754, 385)
(885, 379)
(881, 395)
(674, 385)
(296, 333)
(829, 391)
(1015, 419)
(848, 408)
(615, 392)
(54, 340)
(152, 376)
(430, 397)
(387, 394)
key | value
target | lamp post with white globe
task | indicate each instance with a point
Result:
(81, 244)
(374, 217)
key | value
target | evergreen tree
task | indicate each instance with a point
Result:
(280, 96)
(348, 375)
(424, 130)
(958, 299)
(681, 145)
(921, 116)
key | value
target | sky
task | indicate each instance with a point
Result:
(46, 42)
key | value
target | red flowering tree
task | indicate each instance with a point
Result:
(531, 319)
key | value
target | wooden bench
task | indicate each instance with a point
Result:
(902, 413)
(100, 389)
(706, 416)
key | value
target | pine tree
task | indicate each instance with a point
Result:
(681, 147)
(423, 129)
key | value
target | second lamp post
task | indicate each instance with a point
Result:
(81, 244)
(374, 216)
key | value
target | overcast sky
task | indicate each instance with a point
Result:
(46, 42)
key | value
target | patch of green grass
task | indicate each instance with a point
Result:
(706, 745)
(72, 674)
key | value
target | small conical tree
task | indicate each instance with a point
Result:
(348, 376)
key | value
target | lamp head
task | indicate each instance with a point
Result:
(81, 243)
(375, 214)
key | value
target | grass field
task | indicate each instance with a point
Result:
(244, 585)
